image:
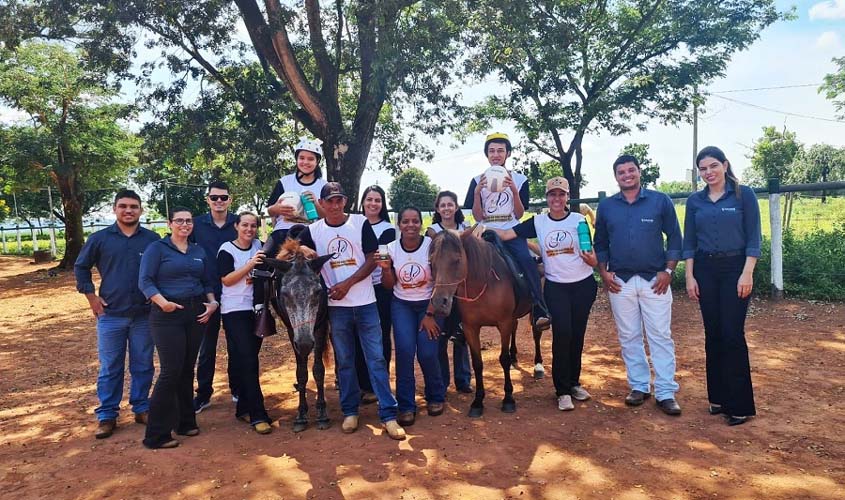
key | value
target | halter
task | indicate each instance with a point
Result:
(464, 281)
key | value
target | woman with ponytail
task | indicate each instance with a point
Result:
(721, 247)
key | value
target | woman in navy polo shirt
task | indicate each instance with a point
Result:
(174, 278)
(721, 246)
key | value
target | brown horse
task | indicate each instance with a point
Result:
(469, 269)
(303, 307)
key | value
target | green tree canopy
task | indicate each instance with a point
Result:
(670, 187)
(772, 157)
(75, 138)
(413, 188)
(819, 163)
(834, 86)
(575, 67)
(649, 170)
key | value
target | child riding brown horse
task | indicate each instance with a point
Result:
(469, 269)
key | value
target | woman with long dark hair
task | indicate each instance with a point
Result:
(174, 276)
(721, 247)
(374, 208)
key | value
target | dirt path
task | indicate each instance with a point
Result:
(794, 449)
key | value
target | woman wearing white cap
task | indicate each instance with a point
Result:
(570, 287)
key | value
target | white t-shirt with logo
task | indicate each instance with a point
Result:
(348, 244)
(413, 271)
(237, 297)
(558, 240)
(498, 207)
(290, 184)
(438, 228)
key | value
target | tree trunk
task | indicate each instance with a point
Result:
(345, 163)
(71, 193)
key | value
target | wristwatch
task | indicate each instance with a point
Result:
(669, 271)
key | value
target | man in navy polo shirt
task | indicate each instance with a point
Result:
(121, 310)
(637, 269)
(210, 231)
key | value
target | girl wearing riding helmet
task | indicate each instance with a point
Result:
(307, 180)
(374, 207)
(407, 272)
(447, 215)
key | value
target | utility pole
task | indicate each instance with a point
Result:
(694, 138)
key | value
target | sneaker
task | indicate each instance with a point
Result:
(142, 418)
(350, 424)
(580, 394)
(201, 404)
(262, 428)
(105, 428)
(540, 319)
(564, 403)
(394, 430)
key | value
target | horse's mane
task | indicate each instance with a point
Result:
(479, 256)
(291, 249)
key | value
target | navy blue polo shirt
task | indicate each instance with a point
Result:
(118, 259)
(176, 275)
(729, 224)
(629, 236)
(207, 235)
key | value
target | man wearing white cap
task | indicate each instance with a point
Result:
(501, 207)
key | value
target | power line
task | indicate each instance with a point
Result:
(766, 88)
(772, 110)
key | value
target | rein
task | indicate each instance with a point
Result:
(464, 281)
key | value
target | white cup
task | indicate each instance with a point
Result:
(382, 252)
(496, 178)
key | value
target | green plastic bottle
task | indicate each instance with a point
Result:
(584, 236)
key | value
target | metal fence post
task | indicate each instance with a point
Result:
(777, 238)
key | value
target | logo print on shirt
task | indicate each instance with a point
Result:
(650, 221)
(341, 250)
(412, 275)
(559, 242)
(496, 201)
(726, 209)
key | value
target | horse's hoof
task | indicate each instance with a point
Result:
(300, 426)
(475, 412)
(539, 371)
(508, 407)
(324, 424)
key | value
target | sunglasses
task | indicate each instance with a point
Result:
(218, 197)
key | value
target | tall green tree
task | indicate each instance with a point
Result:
(334, 65)
(412, 188)
(573, 67)
(819, 163)
(772, 157)
(834, 86)
(75, 138)
(649, 170)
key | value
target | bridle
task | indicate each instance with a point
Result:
(464, 282)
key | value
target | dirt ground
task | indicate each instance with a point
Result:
(795, 448)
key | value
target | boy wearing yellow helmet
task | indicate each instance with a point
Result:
(502, 209)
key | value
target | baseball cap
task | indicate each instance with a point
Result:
(557, 183)
(332, 190)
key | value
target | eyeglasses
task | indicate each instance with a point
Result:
(218, 197)
(183, 222)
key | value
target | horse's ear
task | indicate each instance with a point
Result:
(317, 264)
(281, 265)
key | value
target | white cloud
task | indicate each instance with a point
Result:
(831, 9)
(828, 40)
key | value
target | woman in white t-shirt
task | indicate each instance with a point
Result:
(235, 260)
(374, 208)
(416, 332)
(570, 287)
(448, 216)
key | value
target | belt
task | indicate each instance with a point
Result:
(497, 218)
(719, 255)
(182, 301)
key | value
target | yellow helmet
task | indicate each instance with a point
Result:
(498, 137)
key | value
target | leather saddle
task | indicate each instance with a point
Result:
(521, 288)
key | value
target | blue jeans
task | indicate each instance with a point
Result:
(345, 322)
(113, 335)
(410, 340)
(460, 352)
(518, 248)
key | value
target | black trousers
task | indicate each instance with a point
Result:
(569, 304)
(723, 312)
(208, 360)
(244, 348)
(384, 297)
(177, 336)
